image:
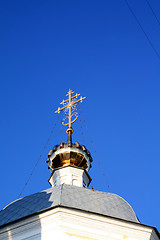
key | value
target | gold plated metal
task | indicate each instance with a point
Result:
(69, 105)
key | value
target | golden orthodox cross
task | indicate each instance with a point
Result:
(69, 104)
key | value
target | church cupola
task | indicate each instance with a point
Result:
(69, 162)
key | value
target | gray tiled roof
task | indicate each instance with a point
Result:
(68, 196)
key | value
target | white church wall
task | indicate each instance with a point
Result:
(63, 224)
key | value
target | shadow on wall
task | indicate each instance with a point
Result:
(14, 223)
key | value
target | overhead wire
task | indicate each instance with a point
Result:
(81, 127)
(30, 175)
(142, 29)
(153, 12)
(60, 135)
(104, 176)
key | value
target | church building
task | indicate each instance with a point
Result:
(69, 210)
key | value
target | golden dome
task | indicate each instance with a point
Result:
(74, 155)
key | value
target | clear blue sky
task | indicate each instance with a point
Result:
(96, 48)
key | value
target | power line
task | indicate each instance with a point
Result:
(153, 12)
(60, 136)
(138, 22)
(38, 158)
(96, 153)
(81, 127)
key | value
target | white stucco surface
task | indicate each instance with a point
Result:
(64, 224)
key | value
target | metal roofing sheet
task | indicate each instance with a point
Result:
(68, 196)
